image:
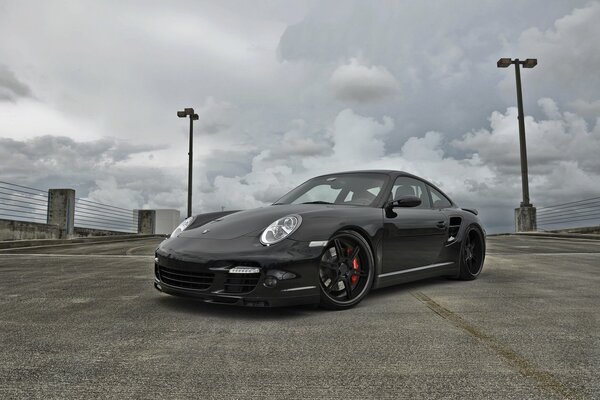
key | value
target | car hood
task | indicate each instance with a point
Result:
(253, 222)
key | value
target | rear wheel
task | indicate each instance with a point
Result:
(346, 271)
(472, 254)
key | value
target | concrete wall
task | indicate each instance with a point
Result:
(19, 230)
(61, 221)
(588, 229)
(86, 232)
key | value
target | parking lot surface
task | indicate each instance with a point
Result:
(84, 321)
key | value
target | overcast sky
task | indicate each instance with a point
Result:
(288, 90)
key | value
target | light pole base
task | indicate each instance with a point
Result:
(525, 219)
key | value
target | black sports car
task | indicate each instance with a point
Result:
(328, 241)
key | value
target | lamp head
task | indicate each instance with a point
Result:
(504, 63)
(530, 63)
(186, 112)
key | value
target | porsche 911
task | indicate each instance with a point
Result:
(329, 241)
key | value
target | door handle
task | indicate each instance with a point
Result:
(441, 224)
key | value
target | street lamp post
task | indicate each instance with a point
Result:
(189, 112)
(525, 217)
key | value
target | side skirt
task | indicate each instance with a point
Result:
(414, 274)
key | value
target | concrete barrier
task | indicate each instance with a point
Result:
(16, 244)
(20, 230)
(61, 211)
(61, 221)
(146, 222)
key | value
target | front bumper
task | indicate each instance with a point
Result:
(288, 271)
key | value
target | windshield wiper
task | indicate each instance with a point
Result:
(316, 202)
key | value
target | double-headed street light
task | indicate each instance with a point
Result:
(524, 215)
(189, 112)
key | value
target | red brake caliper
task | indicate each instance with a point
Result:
(355, 266)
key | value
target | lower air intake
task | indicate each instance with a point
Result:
(241, 283)
(186, 279)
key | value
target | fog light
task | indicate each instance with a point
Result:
(270, 282)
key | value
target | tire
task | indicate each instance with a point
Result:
(472, 254)
(346, 271)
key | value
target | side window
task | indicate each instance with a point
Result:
(439, 200)
(405, 186)
(365, 197)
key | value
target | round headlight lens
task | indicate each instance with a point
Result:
(182, 226)
(280, 229)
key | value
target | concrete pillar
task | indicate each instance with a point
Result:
(525, 219)
(61, 211)
(146, 221)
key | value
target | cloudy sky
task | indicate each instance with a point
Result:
(287, 90)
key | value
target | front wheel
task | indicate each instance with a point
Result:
(346, 271)
(472, 254)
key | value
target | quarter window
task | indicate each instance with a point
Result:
(439, 200)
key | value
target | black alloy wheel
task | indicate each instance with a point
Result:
(346, 271)
(472, 255)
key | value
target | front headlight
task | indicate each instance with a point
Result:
(280, 229)
(182, 226)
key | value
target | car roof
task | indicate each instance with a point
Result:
(393, 174)
(390, 172)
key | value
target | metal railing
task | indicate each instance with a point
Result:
(581, 213)
(23, 203)
(27, 204)
(92, 215)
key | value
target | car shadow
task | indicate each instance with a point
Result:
(197, 307)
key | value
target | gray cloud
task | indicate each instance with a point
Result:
(358, 82)
(61, 161)
(11, 88)
(298, 142)
(272, 83)
(567, 53)
(560, 137)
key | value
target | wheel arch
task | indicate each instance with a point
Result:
(475, 225)
(376, 249)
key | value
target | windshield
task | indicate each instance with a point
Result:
(352, 189)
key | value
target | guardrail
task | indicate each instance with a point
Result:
(28, 213)
(23, 203)
(28, 204)
(93, 215)
(581, 212)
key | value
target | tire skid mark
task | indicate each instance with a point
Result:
(543, 379)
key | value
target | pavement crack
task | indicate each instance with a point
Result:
(542, 378)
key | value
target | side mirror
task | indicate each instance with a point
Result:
(405, 201)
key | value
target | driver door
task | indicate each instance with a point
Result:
(414, 236)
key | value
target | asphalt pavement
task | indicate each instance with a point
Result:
(84, 321)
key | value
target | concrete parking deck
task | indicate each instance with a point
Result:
(84, 321)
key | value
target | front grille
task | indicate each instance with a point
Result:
(241, 283)
(186, 279)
